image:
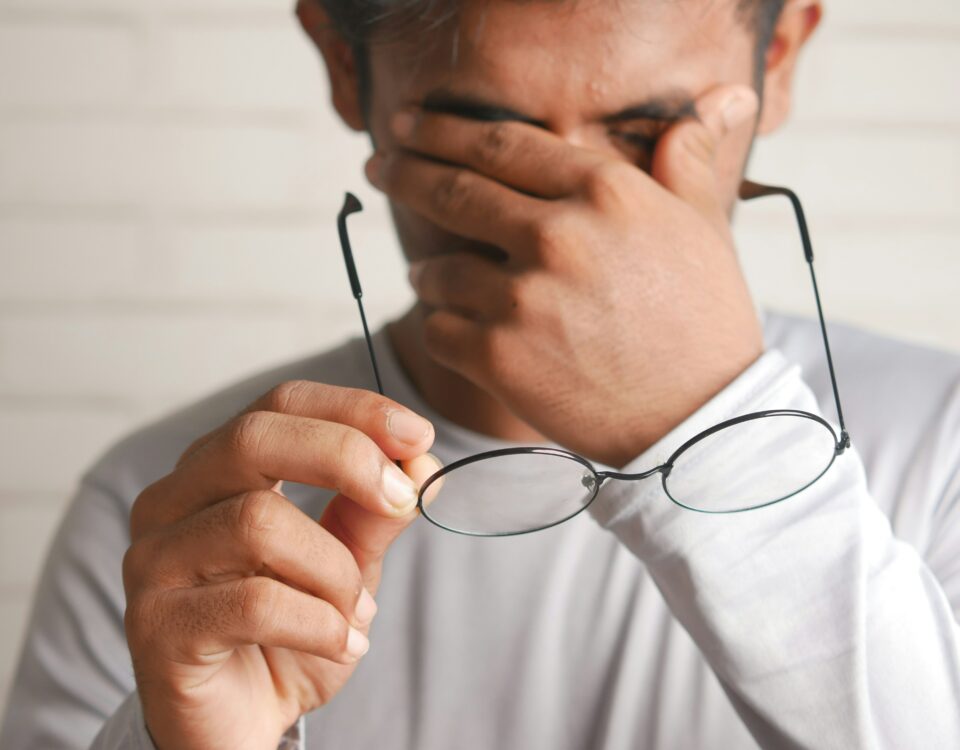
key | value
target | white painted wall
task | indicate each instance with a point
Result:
(170, 171)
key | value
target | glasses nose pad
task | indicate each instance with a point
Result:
(589, 480)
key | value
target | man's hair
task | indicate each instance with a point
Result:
(357, 21)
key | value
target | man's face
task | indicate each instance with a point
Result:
(603, 75)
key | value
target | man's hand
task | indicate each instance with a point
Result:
(620, 307)
(243, 612)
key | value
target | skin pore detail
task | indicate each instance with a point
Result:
(608, 89)
(617, 102)
(568, 65)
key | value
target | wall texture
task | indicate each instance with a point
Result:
(170, 172)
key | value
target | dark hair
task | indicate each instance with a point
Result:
(357, 20)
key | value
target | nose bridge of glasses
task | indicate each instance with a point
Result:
(664, 469)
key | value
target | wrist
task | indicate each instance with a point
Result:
(656, 413)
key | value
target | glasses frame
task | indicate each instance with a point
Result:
(748, 191)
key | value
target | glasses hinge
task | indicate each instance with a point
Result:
(844, 442)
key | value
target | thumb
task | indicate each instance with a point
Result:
(368, 535)
(685, 158)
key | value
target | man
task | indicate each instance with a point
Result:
(561, 177)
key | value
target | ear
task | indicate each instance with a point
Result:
(338, 55)
(797, 22)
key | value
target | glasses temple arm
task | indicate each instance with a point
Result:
(351, 204)
(750, 190)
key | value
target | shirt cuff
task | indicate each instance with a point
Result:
(640, 512)
(127, 730)
(295, 737)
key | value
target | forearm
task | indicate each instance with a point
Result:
(825, 630)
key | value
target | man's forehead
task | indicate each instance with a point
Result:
(482, 24)
(599, 57)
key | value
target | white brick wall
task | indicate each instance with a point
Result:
(170, 169)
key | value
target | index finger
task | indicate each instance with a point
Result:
(399, 432)
(257, 449)
(520, 155)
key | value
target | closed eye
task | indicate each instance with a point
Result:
(640, 140)
(638, 147)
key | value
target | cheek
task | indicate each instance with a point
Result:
(391, 86)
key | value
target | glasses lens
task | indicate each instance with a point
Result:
(511, 494)
(751, 463)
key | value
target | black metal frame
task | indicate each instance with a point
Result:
(748, 191)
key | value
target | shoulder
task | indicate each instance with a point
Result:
(150, 452)
(880, 371)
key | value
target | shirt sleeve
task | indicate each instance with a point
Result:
(127, 730)
(74, 670)
(74, 686)
(824, 629)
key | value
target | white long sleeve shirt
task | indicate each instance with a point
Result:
(829, 620)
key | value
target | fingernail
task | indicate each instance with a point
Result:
(357, 643)
(372, 169)
(406, 427)
(415, 272)
(366, 607)
(402, 124)
(738, 108)
(398, 489)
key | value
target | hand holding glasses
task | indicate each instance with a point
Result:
(527, 489)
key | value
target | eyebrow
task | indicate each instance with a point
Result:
(661, 108)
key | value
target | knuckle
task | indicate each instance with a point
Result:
(340, 563)
(549, 237)
(604, 183)
(355, 450)
(258, 601)
(343, 634)
(139, 619)
(334, 630)
(132, 621)
(194, 447)
(135, 561)
(139, 515)
(453, 193)
(345, 567)
(256, 515)
(245, 436)
(143, 511)
(366, 403)
(449, 273)
(493, 146)
(287, 397)
(699, 145)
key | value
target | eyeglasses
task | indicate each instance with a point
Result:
(520, 490)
